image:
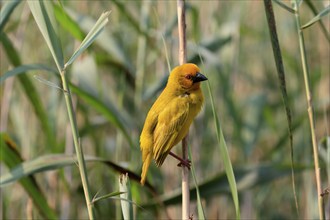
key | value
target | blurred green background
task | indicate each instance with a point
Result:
(119, 77)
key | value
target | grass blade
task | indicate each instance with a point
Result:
(105, 40)
(40, 164)
(91, 36)
(44, 16)
(47, 163)
(25, 68)
(68, 23)
(50, 162)
(10, 156)
(109, 195)
(225, 155)
(281, 76)
(281, 4)
(6, 11)
(323, 28)
(318, 17)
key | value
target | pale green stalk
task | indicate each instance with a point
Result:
(310, 110)
(78, 148)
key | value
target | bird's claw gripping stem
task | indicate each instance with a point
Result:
(183, 162)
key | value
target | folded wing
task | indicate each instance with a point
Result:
(170, 122)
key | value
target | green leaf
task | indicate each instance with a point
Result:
(225, 155)
(318, 17)
(125, 186)
(281, 4)
(107, 196)
(105, 41)
(112, 196)
(91, 36)
(53, 162)
(25, 68)
(44, 16)
(315, 12)
(68, 23)
(40, 164)
(6, 11)
(11, 157)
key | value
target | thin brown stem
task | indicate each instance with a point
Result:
(182, 60)
(309, 110)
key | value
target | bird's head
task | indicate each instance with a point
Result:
(186, 77)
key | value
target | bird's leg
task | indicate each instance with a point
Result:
(186, 163)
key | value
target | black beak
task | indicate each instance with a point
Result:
(199, 77)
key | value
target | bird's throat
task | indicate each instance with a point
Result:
(186, 94)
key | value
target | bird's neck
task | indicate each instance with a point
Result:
(181, 92)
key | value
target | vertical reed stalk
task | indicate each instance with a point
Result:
(281, 76)
(79, 150)
(182, 60)
(309, 109)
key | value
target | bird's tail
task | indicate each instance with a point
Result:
(146, 163)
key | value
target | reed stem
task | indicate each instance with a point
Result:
(182, 60)
(309, 109)
(78, 148)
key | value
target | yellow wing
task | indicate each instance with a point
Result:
(170, 122)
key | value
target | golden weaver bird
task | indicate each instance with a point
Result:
(170, 117)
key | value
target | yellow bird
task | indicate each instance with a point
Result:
(170, 117)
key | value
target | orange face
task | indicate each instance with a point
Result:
(189, 76)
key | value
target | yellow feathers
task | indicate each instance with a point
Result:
(170, 117)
